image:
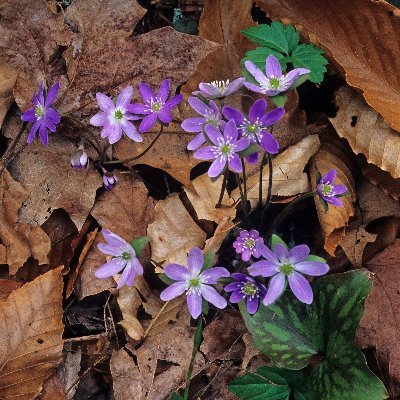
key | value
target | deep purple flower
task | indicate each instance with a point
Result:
(224, 150)
(155, 106)
(247, 288)
(115, 118)
(249, 244)
(195, 283)
(328, 191)
(210, 115)
(42, 115)
(255, 125)
(80, 159)
(109, 179)
(123, 258)
(219, 89)
(273, 82)
(281, 264)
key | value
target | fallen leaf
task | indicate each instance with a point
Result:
(371, 62)
(366, 131)
(21, 241)
(173, 232)
(8, 76)
(379, 327)
(7, 286)
(31, 337)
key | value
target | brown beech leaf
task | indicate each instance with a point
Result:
(371, 61)
(379, 327)
(7, 286)
(126, 210)
(366, 131)
(8, 76)
(51, 182)
(31, 336)
(21, 241)
(173, 232)
(334, 221)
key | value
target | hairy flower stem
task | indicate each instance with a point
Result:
(196, 345)
(244, 181)
(269, 193)
(244, 205)
(139, 155)
(281, 217)
(223, 187)
(260, 188)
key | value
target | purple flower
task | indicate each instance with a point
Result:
(282, 264)
(155, 106)
(218, 89)
(249, 244)
(109, 179)
(224, 150)
(247, 288)
(255, 126)
(123, 258)
(115, 118)
(328, 191)
(42, 115)
(195, 283)
(273, 82)
(211, 115)
(80, 159)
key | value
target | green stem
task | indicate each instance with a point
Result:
(223, 187)
(139, 155)
(196, 345)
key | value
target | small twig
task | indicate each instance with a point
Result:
(269, 193)
(83, 338)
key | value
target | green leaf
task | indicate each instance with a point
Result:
(279, 100)
(275, 36)
(208, 260)
(310, 57)
(176, 397)
(292, 333)
(276, 239)
(316, 258)
(272, 383)
(253, 148)
(139, 244)
(165, 279)
(260, 54)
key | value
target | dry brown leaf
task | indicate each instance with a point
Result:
(334, 221)
(369, 59)
(379, 327)
(20, 239)
(47, 175)
(173, 232)
(7, 286)
(8, 76)
(126, 210)
(31, 336)
(366, 131)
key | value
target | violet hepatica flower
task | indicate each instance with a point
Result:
(109, 179)
(194, 283)
(224, 149)
(249, 244)
(219, 89)
(246, 288)
(115, 118)
(210, 115)
(123, 258)
(273, 82)
(42, 115)
(255, 125)
(80, 159)
(282, 264)
(328, 191)
(155, 107)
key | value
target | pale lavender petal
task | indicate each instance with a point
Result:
(232, 113)
(52, 94)
(29, 116)
(100, 119)
(269, 255)
(110, 249)
(339, 189)
(40, 96)
(252, 304)
(173, 102)
(194, 302)
(177, 272)
(124, 97)
(216, 167)
(199, 106)
(147, 123)
(137, 266)
(230, 131)
(209, 89)
(116, 134)
(33, 131)
(131, 278)
(281, 252)
(110, 268)
(213, 274)
(165, 117)
(214, 108)
(131, 131)
(195, 261)
(163, 92)
(273, 67)
(107, 130)
(269, 143)
(274, 92)
(298, 253)
(302, 71)
(212, 296)
(256, 72)
(254, 88)
(175, 290)
(300, 287)
(205, 153)
(275, 289)
(242, 144)
(53, 115)
(234, 86)
(124, 277)
(333, 200)
(312, 268)
(290, 78)
(235, 163)
(214, 134)
(138, 109)
(49, 124)
(246, 254)
(263, 268)
(273, 116)
(44, 136)
(104, 102)
(114, 239)
(196, 142)
(146, 92)
(257, 110)
(193, 125)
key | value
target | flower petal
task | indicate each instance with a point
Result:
(263, 268)
(173, 102)
(131, 277)
(124, 97)
(298, 253)
(205, 153)
(44, 135)
(29, 116)
(107, 130)
(147, 123)
(242, 144)
(273, 116)
(339, 189)
(165, 117)
(212, 296)
(236, 297)
(254, 88)
(109, 249)
(300, 287)
(275, 289)
(110, 268)
(124, 277)
(146, 92)
(163, 92)
(252, 158)
(209, 90)
(199, 106)
(193, 125)
(114, 240)
(269, 143)
(232, 113)
(312, 268)
(53, 115)
(234, 86)
(217, 167)
(290, 79)
(333, 200)
(231, 131)
(115, 134)
(49, 124)
(273, 67)
(137, 266)
(100, 119)
(281, 252)
(175, 290)
(138, 109)
(194, 302)
(195, 261)
(33, 131)
(256, 72)
(196, 142)
(232, 287)
(269, 255)
(104, 102)
(213, 274)
(131, 131)
(235, 163)
(214, 134)
(177, 272)
(252, 304)
(257, 110)
(52, 94)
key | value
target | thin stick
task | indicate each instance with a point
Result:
(223, 187)
(138, 156)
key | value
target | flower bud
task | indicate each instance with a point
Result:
(80, 159)
(109, 179)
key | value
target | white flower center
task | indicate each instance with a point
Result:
(221, 85)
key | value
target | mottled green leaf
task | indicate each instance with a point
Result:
(139, 244)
